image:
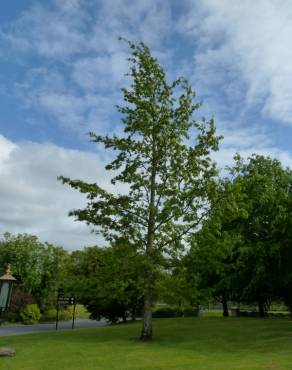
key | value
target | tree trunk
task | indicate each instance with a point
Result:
(146, 333)
(225, 306)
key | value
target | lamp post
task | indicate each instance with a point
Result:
(6, 285)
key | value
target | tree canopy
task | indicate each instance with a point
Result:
(243, 250)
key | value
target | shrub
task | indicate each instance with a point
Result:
(190, 312)
(175, 312)
(18, 301)
(80, 311)
(49, 315)
(164, 312)
(65, 314)
(30, 314)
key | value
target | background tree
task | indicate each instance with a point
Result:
(107, 281)
(164, 159)
(214, 248)
(244, 248)
(179, 289)
(38, 267)
(267, 189)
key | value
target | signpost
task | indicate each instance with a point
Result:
(65, 301)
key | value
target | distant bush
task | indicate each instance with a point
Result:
(80, 311)
(30, 314)
(168, 311)
(65, 314)
(190, 312)
(164, 312)
(51, 315)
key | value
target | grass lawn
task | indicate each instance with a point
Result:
(179, 344)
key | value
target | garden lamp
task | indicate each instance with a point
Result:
(6, 285)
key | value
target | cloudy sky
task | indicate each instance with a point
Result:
(62, 67)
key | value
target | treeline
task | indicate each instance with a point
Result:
(241, 253)
(106, 280)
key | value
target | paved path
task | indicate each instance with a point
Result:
(8, 330)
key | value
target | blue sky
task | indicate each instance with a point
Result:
(62, 68)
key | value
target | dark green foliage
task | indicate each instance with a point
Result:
(178, 288)
(49, 315)
(244, 249)
(38, 267)
(191, 312)
(107, 281)
(164, 312)
(168, 311)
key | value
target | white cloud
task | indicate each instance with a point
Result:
(58, 29)
(45, 93)
(225, 156)
(250, 137)
(6, 147)
(83, 63)
(247, 141)
(245, 42)
(149, 21)
(33, 201)
(54, 31)
(105, 73)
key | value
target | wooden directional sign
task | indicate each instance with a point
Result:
(66, 300)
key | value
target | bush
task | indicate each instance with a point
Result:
(51, 315)
(165, 312)
(175, 312)
(30, 314)
(190, 312)
(18, 301)
(80, 311)
(65, 314)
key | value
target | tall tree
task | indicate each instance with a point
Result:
(243, 250)
(164, 160)
(267, 188)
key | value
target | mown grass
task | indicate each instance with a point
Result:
(179, 344)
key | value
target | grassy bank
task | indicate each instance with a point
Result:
(180, 344)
